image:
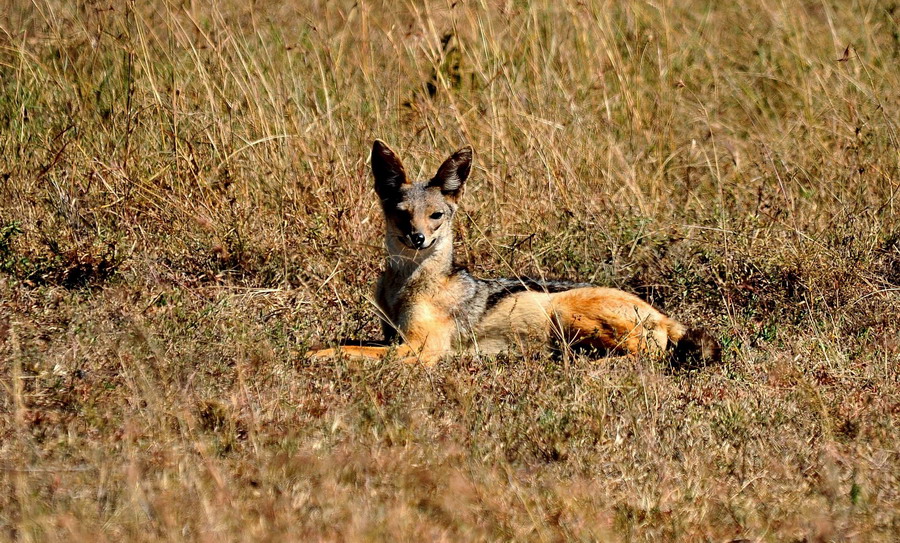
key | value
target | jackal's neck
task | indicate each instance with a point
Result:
(405, 265)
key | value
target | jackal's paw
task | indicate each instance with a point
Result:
(425, 359)
(320, 354)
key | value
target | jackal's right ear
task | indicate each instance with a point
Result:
(387, 169)
(452, 174)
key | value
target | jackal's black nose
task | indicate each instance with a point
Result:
(418, 240)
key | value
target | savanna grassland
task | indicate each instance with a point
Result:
(186, 209)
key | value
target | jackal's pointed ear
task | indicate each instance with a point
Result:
(387, 170)
(452, 174)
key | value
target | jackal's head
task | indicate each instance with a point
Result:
(418, 215)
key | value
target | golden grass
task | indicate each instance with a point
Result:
(185, 207)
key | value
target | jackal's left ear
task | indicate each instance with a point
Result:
(452, 174)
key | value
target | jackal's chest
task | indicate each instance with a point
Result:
(405, 305)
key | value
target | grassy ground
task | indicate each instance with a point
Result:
(185, 208)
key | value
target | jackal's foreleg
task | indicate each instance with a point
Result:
(404, 353)
(427, 335)
(357, 351)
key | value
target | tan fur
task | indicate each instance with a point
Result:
(524, 319)
(437, 310)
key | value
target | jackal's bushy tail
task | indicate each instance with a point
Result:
(693, 345)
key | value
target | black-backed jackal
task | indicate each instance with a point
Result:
(437, 308)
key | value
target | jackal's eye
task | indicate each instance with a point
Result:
(437, 215)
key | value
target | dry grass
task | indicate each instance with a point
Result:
(185, 207)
